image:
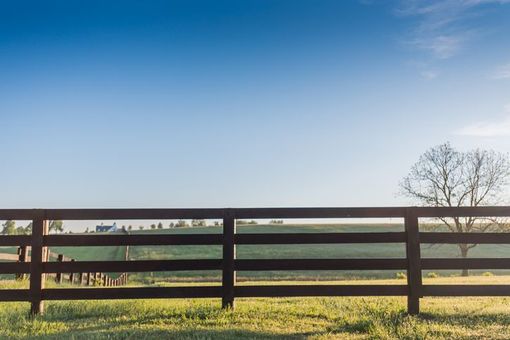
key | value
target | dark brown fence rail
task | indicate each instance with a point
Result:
(39, 266)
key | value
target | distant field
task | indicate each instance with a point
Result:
(277, 251)
(266, 318)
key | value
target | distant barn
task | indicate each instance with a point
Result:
(106, 228)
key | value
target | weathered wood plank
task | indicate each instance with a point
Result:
(465, 263)
(131, 239)
(493, 211)
(466, 290)
(14, 295)
(319, 264)
(14, 268)
(15, 240)
(132, 266)
(320, 238)
(229, 256)
(131, 293)
(327, 212)
(467, 238)
(414, 279)
(320, 290)
(132, 214)
(37, 279)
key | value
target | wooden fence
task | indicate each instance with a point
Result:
(228, 264)
(83, 279)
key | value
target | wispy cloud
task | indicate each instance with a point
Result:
(429, 74)
(488, 129)
(442, 47)
(443, 27)
(502, 72)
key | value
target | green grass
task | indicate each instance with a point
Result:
(287, 318)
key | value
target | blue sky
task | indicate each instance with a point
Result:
(242, 103)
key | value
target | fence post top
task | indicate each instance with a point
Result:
(229, 213)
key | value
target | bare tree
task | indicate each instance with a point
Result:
(445, 177)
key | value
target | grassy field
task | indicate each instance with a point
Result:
(278, 251)
(281, 318)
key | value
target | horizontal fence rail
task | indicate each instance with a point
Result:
(38, 263)
(132, 240)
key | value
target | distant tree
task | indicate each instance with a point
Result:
(28, 229)
(153, 226)
(181, 224)
(130, 227)
(216, 223)
(445, 177)
(9, 227)
(240, 222)
(140, 227)
(87, 230)
(160, 225)
(20, 230)
(276, 222)
(57, 226)
(198, 223)
(171, 225)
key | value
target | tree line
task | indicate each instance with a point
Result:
(10, 228)
(184, 224)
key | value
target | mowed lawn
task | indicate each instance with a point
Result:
(266, 318)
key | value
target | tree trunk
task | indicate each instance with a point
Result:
(463, 253)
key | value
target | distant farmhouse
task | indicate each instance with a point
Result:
(106, 228)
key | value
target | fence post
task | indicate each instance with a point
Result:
(88, 279)
(58, 277)
(414, 279)
(23, 256)
(37, 277)
(19, 276)
(229, 255)
(71, 275)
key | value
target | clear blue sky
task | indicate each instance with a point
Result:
(242, 103)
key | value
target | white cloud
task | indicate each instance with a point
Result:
(443, 25)
(502, 72)
(488, 129)
(442, 47)
(429, 74)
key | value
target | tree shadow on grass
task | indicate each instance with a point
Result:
(172, 325)
(147, 333)
(466, 319)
